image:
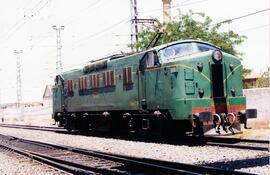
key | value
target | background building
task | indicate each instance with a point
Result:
(47, 96)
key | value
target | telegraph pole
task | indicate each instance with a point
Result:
(19, 80)
(269, 76)
(59, 67)
(134, 24)
(19, 84)
(1, 107)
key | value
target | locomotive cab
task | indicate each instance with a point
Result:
(208, 87)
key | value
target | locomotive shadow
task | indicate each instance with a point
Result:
(171, 140)
(238, 164)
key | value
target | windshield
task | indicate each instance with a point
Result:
(204, 47)
(177, 50)
(184, 49)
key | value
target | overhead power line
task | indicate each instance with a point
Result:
(89, 8)
(175, 6)
(250, 14)
(22, 21)
(191, 3)
(23, 17)
(244, 16)
(79, 42)
(86, 62)
(254, 28)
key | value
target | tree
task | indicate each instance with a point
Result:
(186, 27)
(245, 73)
(263, 81)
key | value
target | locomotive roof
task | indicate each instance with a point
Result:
(181, 41)
(159, 47)
(119, 56)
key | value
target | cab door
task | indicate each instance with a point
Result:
(142, 88)
(57, 99)
(148, 80)
(58, 94)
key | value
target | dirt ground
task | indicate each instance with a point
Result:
(42, 120)
(258, 134)
(260, 129)
(259, 123)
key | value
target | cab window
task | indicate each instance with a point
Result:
(149, 60)
(177, 50)
(59, 81)
(204, 47)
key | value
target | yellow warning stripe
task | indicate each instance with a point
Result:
(231, 72)
(184, 66)
(191, 68)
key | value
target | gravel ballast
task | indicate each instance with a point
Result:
(206, 155)
(11, 163)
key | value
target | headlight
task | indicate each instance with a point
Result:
(217, 55)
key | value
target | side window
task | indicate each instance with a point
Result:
(94, 81)
(127, 76)
(152, 59)
(82, 83)
(91, 82)
(70, 87)
(108, 78)
(149, 60)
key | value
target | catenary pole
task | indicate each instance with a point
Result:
(19, 83)
(134, 24)
(59, 67)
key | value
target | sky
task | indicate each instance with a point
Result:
(97, 28)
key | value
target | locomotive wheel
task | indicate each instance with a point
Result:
(217, 122)
(69, 130)
(231, 118)
(197, 128)
(217, 119)
(67, 124)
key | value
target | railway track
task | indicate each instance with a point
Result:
(260, 145)
(21, 163)
(81, 161)
(41, 128)
(237, 143)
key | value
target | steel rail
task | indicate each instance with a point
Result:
(32, 127)
(263, 145)
(210, 141)
(54, 164)
(76, 168)
(169, 167)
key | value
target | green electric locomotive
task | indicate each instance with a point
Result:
(182, 87)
